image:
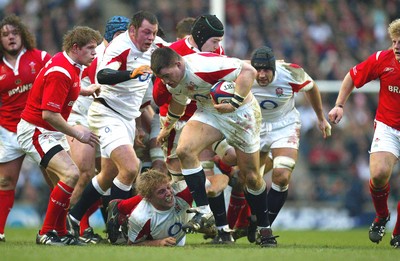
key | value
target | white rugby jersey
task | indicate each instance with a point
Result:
(202, 71)
(277, 99)
(82, 104)
(125, 97)
(148, 223)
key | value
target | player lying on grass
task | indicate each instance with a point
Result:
(157, 213)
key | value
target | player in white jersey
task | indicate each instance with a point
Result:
(125, 75)
(191, 77)
(86, 157)
(277, 84)
(158, 218)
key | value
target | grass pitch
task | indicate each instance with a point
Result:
(292, 245)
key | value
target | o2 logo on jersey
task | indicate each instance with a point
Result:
(175, 229)
(268, 105)
(144, 77)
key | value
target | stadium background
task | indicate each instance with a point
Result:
(329, 188)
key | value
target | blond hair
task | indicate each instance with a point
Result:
(394, 28)
(149, 180)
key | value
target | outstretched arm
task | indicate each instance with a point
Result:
(314, 97)
(336, 114)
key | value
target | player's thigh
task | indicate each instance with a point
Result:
(125, 158)
(196, 136)
(82, 154)
(381, 165)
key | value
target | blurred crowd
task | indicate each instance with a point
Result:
(326, 37)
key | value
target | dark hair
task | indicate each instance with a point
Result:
(163, 58)
(138, 17)
(28, 39)
(184, 27)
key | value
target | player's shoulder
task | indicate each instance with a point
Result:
(142, 211)
(382, 55)
(38, 54)
(289, 68)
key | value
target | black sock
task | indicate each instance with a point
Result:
(89, 196)
(217, 206)
(195, 183)
(117, 193)
(259, 207)
(104, 204)
(276, 200)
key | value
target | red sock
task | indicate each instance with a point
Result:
(56, 214)
(84, 223)
(243, 218)
(380, 198)
(236, 203)
(396, 230)
(223, 167)
(7, 201)
(126, 206)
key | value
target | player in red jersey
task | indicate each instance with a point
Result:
(206, 36)
(19, 66)
(385, 147)
(86, 157)
(43, 127)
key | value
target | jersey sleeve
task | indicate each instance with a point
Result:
(55, 91)
(299, 80)
(365, 71)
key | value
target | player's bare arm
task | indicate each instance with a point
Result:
(84, 135)
(175, 111)
(314, 97)
(336, 114)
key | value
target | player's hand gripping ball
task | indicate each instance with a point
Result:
(222, 92)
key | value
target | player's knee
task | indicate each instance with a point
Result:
(380, 173)
(252, 179)
(71, 177)
(184, 153)
(6, 182)
(282, 179)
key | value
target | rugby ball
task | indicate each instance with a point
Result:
(222, 92)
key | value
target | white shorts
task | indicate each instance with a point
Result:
(113, 129)
(241, 128)
(79, 111)
(169, 147)
(76, 118)
(284, 133)
(39, 143)
(385, 139)
(9, 146)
